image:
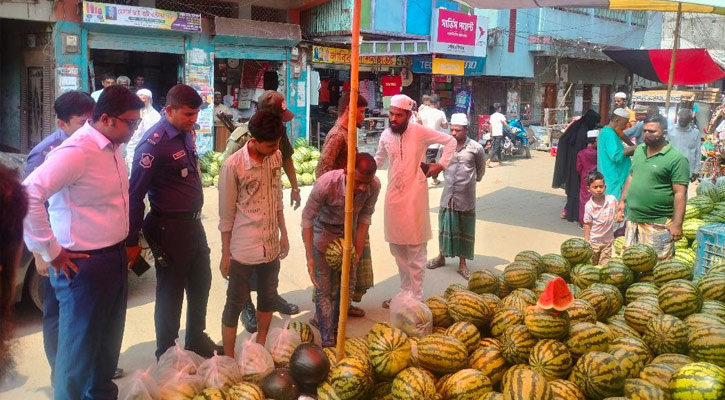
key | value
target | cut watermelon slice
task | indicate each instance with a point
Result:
(556, 296)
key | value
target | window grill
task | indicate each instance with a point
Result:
(268, 14)
(207, 8)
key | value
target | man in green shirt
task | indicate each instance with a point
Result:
(612, 157)
(656, 191)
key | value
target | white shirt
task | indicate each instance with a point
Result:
(496, 120)
(687, 142)
(85, 181)
(433, 118)
(97, 94)
(407, 219)
(250, 195)
(149, 118)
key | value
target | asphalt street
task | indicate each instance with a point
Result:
(516, 210)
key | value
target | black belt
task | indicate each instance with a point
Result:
(114, 247)
(189, 216)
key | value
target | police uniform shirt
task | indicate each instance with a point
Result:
(165, 165)
(41, 150)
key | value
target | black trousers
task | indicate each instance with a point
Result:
(186, 252)
(496, 147)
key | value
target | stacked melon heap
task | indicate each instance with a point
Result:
(305, 161)
(210, 163)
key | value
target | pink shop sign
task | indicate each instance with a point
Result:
(456, 28)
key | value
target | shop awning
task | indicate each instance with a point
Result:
(697, 6)
(247, 32)
(692, 66)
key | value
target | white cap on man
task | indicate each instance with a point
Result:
(459, 119)
(144, 92)
(402, 101)
(621, 112)
(620, 95)
(594, 133)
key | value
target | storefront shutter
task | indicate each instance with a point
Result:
(153, 43)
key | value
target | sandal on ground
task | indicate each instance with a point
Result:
(354, 311)
(464, 273)
(386, 304)
(434, 263)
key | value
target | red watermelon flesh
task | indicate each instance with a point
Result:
(556, 296)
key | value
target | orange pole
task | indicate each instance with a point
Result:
(350, 180)
(675, 47)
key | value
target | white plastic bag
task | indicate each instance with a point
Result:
(176, 359)
(254, 360)
(141, 386)
(219, 372)
(281, 342)
(410, 315)
(180, 386)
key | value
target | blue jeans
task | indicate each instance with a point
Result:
(92, 316)
(327, 297)
(50, 324)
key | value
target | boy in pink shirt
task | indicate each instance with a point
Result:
(600, 214)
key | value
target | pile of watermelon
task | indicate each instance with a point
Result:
(305, 159)
(210, 163)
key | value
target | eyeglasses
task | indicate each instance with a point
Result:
(132, 123)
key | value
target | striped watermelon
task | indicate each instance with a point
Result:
(686, 256)
(616, 273)
(510, 371)
(382, 391)
(492, 396)
(620, 328)
(628, 361)
(389, 351)
(716, 268)
(680, 298)
(356, 346)
(483, 281)
(503, 288)
(557, 265)
(703, 203)
(566, 390)
(713, 307)
(546, 324)
(682, 243)
(505, 317)
(351, 378)
(670, 270)
(520, 275)
(526, 384)
(442, 354)
(551, 359)
(599, 299)
(617, 246)
(491, 342)
(439, 308)
(697, 320)
(211, 394)
(675, 360)
(493, 301)
(639, 289)
(633, 344)
(639, 312)
(581, 311)
(528, 295)
(585, 337)
(245, 391)
(712, 286)
(584, 275)
(304, 330)
(531, 257)
(598, 375)
(516, 344)
(639, 257)
(490, 361)
(467, 306)
(518, 302)
(452, 289)
(648, 276)
(413, 383)
(467, 333)
(576, 250)
(666, 334)
(702, 380)
(466, 384)
(658, 374)
(707, 343)
(616, 299)
(639, 389)
(691, 212)
(690, 227)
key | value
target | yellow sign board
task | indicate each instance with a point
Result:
(445, 66)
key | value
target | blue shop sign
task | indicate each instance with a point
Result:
(473, 65)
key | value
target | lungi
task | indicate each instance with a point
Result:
(457, 233)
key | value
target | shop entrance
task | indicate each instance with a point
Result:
(160, 71)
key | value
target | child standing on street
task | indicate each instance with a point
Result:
(586, 161)
(599, 216)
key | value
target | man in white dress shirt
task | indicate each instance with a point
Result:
(407, 218)
(82, 236)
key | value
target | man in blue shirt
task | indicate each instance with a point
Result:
(166, 167)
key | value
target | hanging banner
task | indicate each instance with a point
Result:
(444, 66)
(472, 66)
(458, 33)
(140, 17)
(332, 55)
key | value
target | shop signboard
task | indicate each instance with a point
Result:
(140, 17)
(332, 55)
(472, 66)
(458, 33)
(444, 66)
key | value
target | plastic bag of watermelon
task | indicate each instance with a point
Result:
(253, 359)
(176, 359)
(141, 386)
(219, 372)
(180, 386)
(281, 343)
(411, 315)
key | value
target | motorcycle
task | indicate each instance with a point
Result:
(516, 141)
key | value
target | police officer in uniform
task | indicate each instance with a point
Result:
(166, 167)
(274, 102)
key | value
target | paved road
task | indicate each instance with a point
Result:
(516, 209)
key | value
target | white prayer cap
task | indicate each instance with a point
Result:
(144, 92)
(593, 133)
(459, 119)
(402, 101)
(620, 95)
(621, 112)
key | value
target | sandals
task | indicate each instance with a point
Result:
(356, 312)
(434, 263)
(464, 273)
(386, 304)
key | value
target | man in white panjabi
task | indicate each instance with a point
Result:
(407, 218)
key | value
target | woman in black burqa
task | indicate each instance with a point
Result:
(566, 177)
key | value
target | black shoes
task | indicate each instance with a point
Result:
(282, 306)
(118, 373)
(249, 317)
(204, 346)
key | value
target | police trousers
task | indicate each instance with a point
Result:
(91, 319)
(185, 251)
